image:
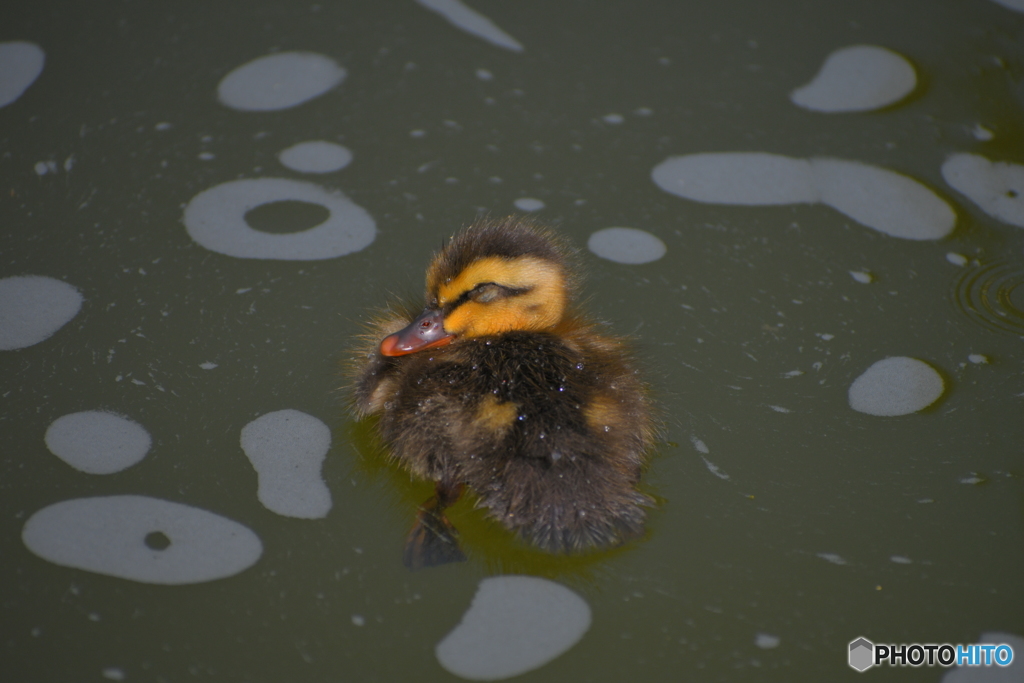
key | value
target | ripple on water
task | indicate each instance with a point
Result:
(992, 295)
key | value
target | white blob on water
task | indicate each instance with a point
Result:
(714, 469)
(215, 218)
(956, 259)
(857, 78)
(895, 386)
(862, 276)
(515, 624)
(884, 200)
(832, 557)
(900, 559)
(279, 81)
(978, 358)
(982, 133)
(528, 204)
(142, 539)
(626, 245)
(287, 449)
(1014, 673)
(96, 442)
(21, 63)
(699, 445)
(766, 641)
(33, 307)
(316, 156)
(472, 22)
(996, 187)
(1015, 5)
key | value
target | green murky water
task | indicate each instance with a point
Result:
(748, 536)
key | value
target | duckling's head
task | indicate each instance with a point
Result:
(494, 277)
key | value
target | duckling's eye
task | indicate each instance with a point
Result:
(487, 292)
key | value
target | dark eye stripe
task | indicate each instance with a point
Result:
(506, 292)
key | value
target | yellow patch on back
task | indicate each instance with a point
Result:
(381, 394)
(603, 414)
(495, 415)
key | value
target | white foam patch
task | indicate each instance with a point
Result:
(956, 259)
(115, 536)
(766, 641)
(626, 245)
(875, 197)
(33, 307)
(96, 442)
(21, 63)
(896, 386)
(1015, 5)
(714, 469)
(857, 78)
(982, 133)
(996, 187)
(279, 81)
(472, 22)
(316, 156)
(832, 557)
(862, 276)
(287, 449)
(528, 204)
(215, 218)
(515, 624)
(1014, 673)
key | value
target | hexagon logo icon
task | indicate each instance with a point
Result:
(862, 653)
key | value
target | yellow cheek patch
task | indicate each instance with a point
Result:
(495, 415)
(521, 273)
(540, 307)
(473, 319)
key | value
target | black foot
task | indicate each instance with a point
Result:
(432, 542)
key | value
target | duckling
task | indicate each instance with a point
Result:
(500, 386)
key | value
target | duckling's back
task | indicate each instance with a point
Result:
(548, 428)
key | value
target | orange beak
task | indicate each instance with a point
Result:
(425, 332)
